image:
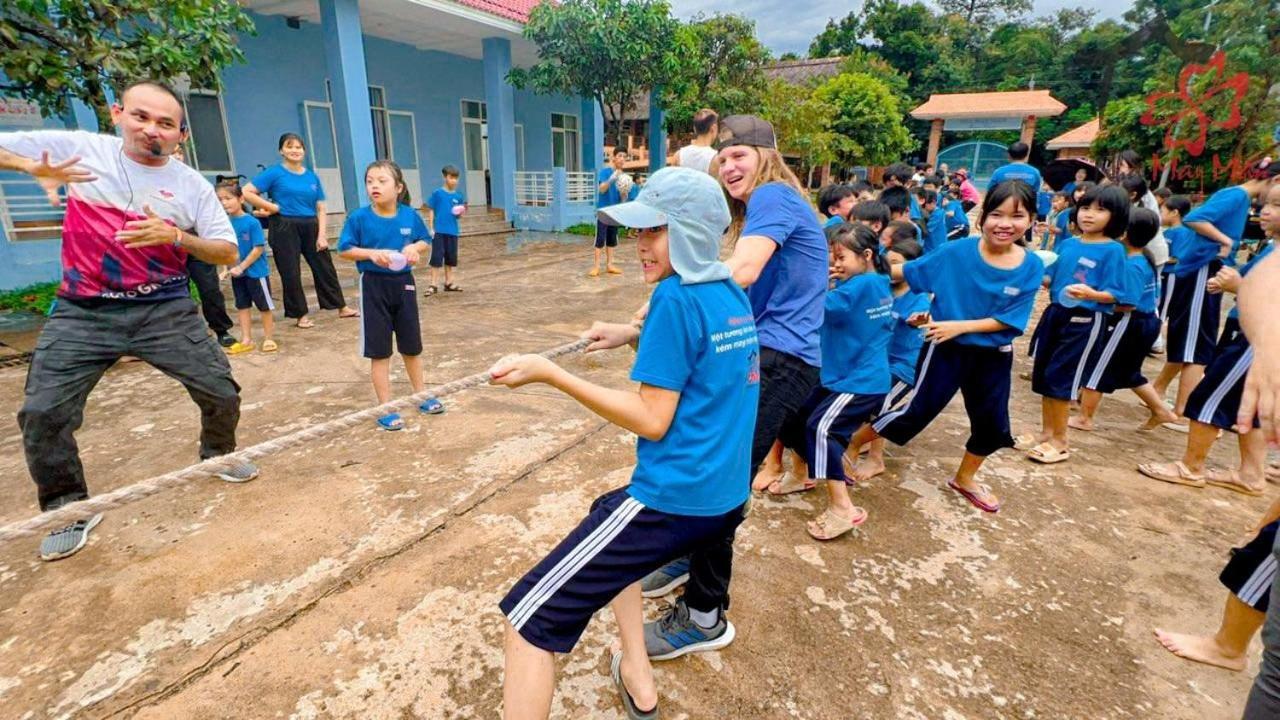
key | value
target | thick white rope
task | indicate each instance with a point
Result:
(129, 494)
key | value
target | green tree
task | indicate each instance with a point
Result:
(55, 50)
(982, 13)
(608, 50)
(720, 65)
(868, 115)
(803, 124)
(837, 38)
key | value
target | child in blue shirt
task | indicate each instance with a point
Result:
(1059, 220)
(1116, 360)
(249, 276)
(983, 290)
(836, 202)
(1083, 285)
(608, 194)
(957, 217)
(386, 239)
(935, 220)
(856, 330)
(444, 207)
(698, 365)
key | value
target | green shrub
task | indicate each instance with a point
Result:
(37, 298)
(581, 229)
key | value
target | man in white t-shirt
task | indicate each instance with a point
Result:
(124, 287)
(699, 153)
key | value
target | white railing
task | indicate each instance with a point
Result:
(534, 188)
(25, 212)
(581, 187)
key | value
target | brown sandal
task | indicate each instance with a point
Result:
(305, 323)
(1181, 474)
(829, 525)
(789, 484)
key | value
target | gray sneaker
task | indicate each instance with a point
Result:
(676, 634)
(239, 473)
(68, 541)
(666, 578)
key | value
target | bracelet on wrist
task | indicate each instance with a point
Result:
(177, 237)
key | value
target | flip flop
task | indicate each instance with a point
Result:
(831, 526)
(1183, 475)
(1177, 427)
(352, 313)
(975, 498)
(431, 290)
(789, 484)
(391, 422)
(450, 287)
(1229, 480)
(1047, 454)
(628, 703)
(305, 323)
(431, 406)
(269, 346)
(1026, 441)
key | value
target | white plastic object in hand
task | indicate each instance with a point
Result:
(398, 261)
(1048, 257)
(458, 210)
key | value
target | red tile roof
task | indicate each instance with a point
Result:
(1082, 136)
(517, 10)
(1018, 103)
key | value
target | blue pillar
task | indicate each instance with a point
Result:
(81, 116)
(657, 131)
(349, 80)
(501, 107)
(559, 199)
(592, 136)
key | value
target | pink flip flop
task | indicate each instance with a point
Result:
(977, 501)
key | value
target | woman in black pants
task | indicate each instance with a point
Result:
(297, 228)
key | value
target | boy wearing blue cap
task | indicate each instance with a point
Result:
(697, 362)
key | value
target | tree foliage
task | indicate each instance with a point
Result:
(54, 50)
(867, 114)
(719, 65)
(837, 38)
(803, 124)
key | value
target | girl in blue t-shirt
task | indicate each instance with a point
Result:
(1083, 284)
(386, 239)
(856, 330)
(983, 290)
(909, 307)
(249, 276)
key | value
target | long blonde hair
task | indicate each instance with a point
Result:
(771, 168)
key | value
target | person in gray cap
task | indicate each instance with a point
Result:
(698, 365)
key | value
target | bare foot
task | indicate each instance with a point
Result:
(1158, 419)
(768, 475)
(1080, 422)
(868, 468)
(1202, 649)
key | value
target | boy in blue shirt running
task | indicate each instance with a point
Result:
(444, 207)
(698, 365)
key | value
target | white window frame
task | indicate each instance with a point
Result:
(577, 144)
(519, 134)
(189, 147)
(383, 119)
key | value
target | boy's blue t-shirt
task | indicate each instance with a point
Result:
(935, 232)
(855, 335)
(1141, 286)
(1063, 222)
(1099, 265)
(904, 346)
(442, 203)
(611, 196)
(699, 340)
(366, 229)
(1015, 171)
(832, 222)
(248, 236)
(956, 216)
(914, 211)
(1044, 203)
(1244, 270)
(295, 193)
(967, 287)
(1227, 210)
(787, 297)
(1192, 250)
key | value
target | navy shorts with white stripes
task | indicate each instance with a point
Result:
(899, 392)
(252, 292)
(1066, 340)
(618, 543)
(1252, 568)
(822, 430)
(980, 373)
(1193, 316)
(1116, 360)
(1216, 400)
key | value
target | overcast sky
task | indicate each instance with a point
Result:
(791, 25)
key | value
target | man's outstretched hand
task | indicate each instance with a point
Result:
(52, 176)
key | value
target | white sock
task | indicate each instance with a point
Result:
(706, 619)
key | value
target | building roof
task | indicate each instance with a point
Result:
(1081, 136)
(517, 10)
(1018, 103)
(798, 72)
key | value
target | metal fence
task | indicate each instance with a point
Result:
(580, 187)
(535, 188)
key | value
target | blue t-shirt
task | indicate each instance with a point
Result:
(787, 297)
(1015, 171)
(914, 212)
(1063, 222)
(1227, 210)
(366, 229)
(1244, 270)
(1192, 250)
(611, 196)
(699, 340)
(1100, 265)
(904, 347)
(249, 236)
(967, 287)
(1141, 287)
(855, 335)
(295, 193)
(1044, 203)
(935, 232)
(956, 216)
(442, 202)
(832, 222)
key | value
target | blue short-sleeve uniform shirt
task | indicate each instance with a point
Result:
(366, 229)
(1100, 265)
(1140, 285)
(1015, 171)
(248, 236)
(442, 202)
(856, 331)
(904, 346)
(295, 193)
(1227, 210)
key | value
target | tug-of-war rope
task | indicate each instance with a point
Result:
(129, 494)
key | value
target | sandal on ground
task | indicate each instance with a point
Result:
(1230, 480)
(391, 422)
(1047, 454)
(613, 270)
(788, 484)
(305, 323)
(1077, 422)
(240, 347)
(1026, 441)
(1180, 475)
(450, 287)
(431, 290)
(348, 313)
(269, 346)
(984, 499)
(830, 525)
(1177, 426)
(628, 703)
(431, 406)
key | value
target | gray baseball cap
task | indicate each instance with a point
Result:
(691, 205)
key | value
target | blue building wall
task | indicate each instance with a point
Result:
(27, 262)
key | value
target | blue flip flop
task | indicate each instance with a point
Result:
(431, 406)
(391, 422)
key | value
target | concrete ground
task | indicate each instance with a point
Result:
(359, 576)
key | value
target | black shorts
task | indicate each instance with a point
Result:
(1216, 399)
(1193, 316)
(1116, 360)
(820, 432)
(1252, 568)
(252, 292)
(444, 250)
(1064, 338)
(389, 305)
(606, 235)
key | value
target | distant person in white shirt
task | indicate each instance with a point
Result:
(698, 154)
